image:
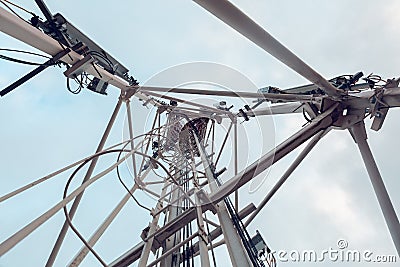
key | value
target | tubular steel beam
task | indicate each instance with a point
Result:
(100, 231)
(321, 122)
(392, 221)
(103, 227)
(282, 97)
(145, 253)
(131, 136)
(24, 32)
(214, 234)
(235, 158)
(28, 229)
(49, 176)
(232, 239)
(234, 17)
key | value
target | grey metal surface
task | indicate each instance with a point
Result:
(232, 239)
(360, 137)
(320, 123)
(239, 21)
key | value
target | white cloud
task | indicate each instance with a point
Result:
(339, 208)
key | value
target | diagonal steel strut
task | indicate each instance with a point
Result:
(320, 123)
(360, 137)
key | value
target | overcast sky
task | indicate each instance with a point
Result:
(329, 197)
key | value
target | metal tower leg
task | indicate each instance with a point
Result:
(77, 200)
(131, 135)
(232, 240)
(144, 257)
(174, 211)
(205, 261)
(360, 136)
(235, 158)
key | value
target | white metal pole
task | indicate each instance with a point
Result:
(203, 240)
(239, 21)
(28, 229)
(233, 242)
(131, 135)
(205, 261)
(321, 122)
(23, 31)
(197, 91)
(144, 257)
(174, 211)
(100, 231)
(80, 256)
(235, 158)
(360, 136)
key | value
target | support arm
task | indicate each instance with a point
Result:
(360, 137)
(322, 122)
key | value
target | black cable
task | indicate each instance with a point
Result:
(82, 80)
(210, 241)
(175, 237)
(155, 173)
(20, 7)
(76, 91)
(69, 221)
(374, 77)
(248, 244)
(26, 62)
(12, 10)
(24, 52)
(15, 60)
(270, 259)
(184, 251)
(191, 245)
(144, 155)
(124, 185)
(305, 116)
(110, 64)
(119, 177)
(188, 226)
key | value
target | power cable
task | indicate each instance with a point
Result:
(25, 62)
(24, 52)
(12, 10)
(20, 7)
(68, 218)
(124, 185)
